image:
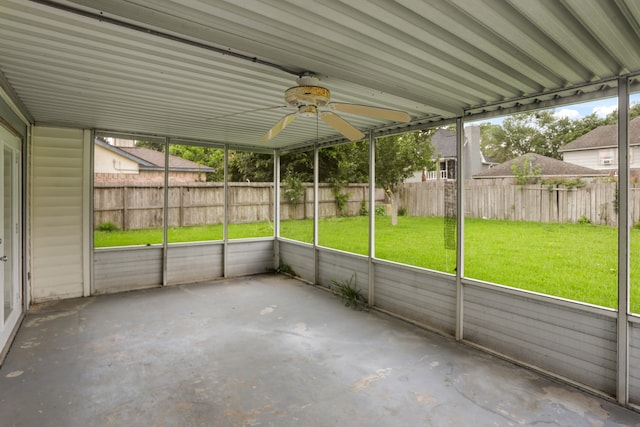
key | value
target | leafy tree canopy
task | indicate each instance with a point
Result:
(397, 158)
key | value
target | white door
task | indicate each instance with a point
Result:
(10, 235)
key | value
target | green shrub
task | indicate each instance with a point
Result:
(402, 212)
(526, 170)
(341, 198)
(380, 211)
(286, 270)
(349, 293)
(294, 189)
(363, 208)
(564, 182)
(108, 226)
(584, 220)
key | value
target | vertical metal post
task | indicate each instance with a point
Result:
(459, 228)
(225, 215)
(87, 213)
(316, 204)
(372, 216)
(165, 212)
(276, 209)
(27, 157)
(623, 242)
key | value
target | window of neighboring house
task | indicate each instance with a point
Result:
(607, 157)
(196, 193)
(296, 196)
(251, 195)
(128, 192)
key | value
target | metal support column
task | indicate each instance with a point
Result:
(316, 178)
(91, 248)
(459, 228)
(276, 209)
(372, 216)
(225, 216)
(623, 242)
(165, 212)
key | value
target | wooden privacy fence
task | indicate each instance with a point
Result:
(503, 199)
(138, 206)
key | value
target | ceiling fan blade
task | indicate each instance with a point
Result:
(341, 125)
(365, 110)
(279, 127)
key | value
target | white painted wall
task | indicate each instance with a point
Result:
(59, 213)
(106, 161)
(594, 158)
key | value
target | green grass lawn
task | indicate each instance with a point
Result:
(573, 261)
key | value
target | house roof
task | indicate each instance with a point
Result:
(603, 137)
(214, 72)
(148, 159)
(488, 160)
(548, 167)
(156, 158)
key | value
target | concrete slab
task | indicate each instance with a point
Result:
(264, 351)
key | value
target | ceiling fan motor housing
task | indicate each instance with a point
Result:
(307, 95)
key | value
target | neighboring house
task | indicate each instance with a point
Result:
(444, 144)
(546, 166)
(132, 164)
(598, 149)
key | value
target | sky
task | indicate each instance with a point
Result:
(601, 107)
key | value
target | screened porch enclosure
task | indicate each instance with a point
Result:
(498, 319)
(211, 76)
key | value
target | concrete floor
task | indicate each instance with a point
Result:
(264, 351)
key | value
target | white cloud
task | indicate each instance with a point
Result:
(568, 113)
(603, 110)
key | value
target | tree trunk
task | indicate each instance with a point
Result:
(394, 208)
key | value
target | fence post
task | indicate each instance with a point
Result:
(124, 207)
(181, 206)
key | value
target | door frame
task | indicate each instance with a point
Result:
(8, 327)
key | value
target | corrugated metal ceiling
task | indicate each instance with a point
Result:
(185, 76)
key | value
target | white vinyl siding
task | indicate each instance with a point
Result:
(586, 158)
(57, 213)
(596, 158)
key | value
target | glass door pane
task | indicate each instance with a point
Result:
(7, 234)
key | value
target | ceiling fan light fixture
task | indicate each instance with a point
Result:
(307, 111)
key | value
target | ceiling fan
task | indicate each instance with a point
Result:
(311, 100)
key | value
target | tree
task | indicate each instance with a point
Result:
(207, 156)
(152, 145)
(492, 142)
(532, 132)
(398, 157)
(250, 166)
(540, 132)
